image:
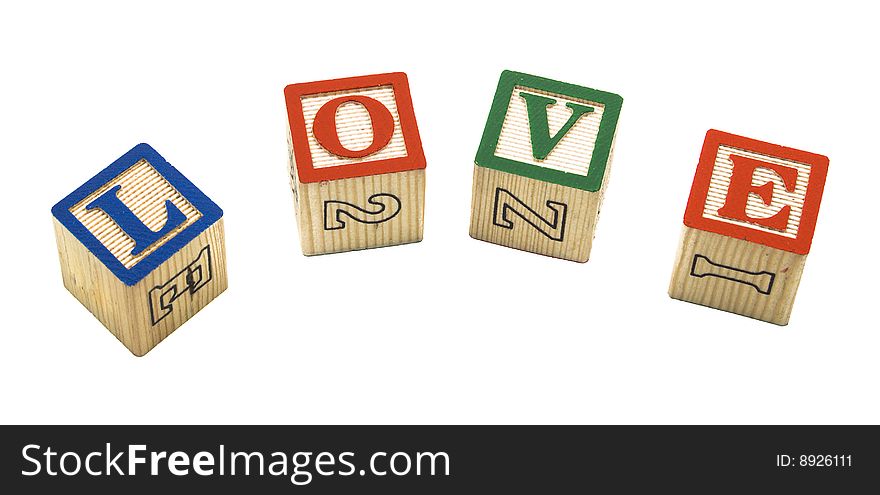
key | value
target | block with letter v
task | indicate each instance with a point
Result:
(542, 165)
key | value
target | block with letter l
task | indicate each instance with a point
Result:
(141, 247)
(357, 169)
(542, 166)
(748, 226)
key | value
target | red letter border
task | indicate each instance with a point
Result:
(693, 216)
(415, 158)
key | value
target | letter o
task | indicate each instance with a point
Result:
(62, 463)
(324, 126)
(393, 463)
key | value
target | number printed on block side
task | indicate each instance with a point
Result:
(551, 222)
(380, 208)
(188, 281)
(762, 281)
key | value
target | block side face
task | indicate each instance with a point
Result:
(353, 127)
(735, 275)
(95, 286)
(295, 184)
(136, 213)
(362, 212)
(550, 131)
(142, 315)
(757, 191)
(179, 288)
(532, 215)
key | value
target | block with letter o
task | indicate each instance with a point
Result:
(357, 168)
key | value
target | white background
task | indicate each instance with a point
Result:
(451, 330)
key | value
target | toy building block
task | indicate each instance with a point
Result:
(748, 226)
(542, 166)
(357, 169)
(141, 248)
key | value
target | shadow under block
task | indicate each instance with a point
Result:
(542, 166)
(357, 169)
(141, 248)
(749, 225)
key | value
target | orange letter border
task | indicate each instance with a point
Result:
(693, 216)
(414, 159)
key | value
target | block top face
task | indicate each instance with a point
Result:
(136, 213)
(550, 131)
(757, 191)
(353, 127)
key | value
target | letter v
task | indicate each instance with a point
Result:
(542, 142)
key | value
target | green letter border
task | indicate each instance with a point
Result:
(590, 182)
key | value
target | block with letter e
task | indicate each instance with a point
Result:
(542, 166)
(141, 247)
(357, 169)
(748, 226)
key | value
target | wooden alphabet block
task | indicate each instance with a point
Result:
(542, 166)
(141, 248)
(357, 169)
(748, 227)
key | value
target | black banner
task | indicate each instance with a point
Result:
(439, 459)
